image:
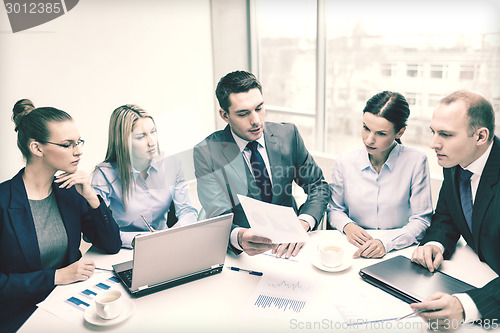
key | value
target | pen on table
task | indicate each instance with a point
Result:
(245, 270)
(411, 314)
(147, 224)
(274, 256)
(104, 269)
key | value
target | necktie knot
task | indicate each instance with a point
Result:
(253, 145)
(465, 175)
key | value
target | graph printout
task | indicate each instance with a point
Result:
(69, 302)
(281, 294)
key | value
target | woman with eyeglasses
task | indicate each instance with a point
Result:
(144, 189)
(42, 217)
(383, 185)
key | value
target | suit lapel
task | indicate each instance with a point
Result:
(486, 189)
(238, 174)
(22, 223)
(273, 148)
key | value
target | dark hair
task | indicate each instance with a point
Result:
(31, 123)
(391, 106)
(479, 110)
(235, 82)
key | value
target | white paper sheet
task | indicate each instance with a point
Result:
(281, 294)
(278, 223)
(69, 302)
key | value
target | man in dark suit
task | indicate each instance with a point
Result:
(469, 205)
(256, 159)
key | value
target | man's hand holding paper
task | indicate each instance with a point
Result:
(272, 227)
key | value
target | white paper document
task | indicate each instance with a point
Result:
(69, 302)
(278, 223)
(281, 295)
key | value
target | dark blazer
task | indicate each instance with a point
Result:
(448, 224)
(222, 173)
(23, 282)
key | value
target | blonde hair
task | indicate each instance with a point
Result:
(121, 123)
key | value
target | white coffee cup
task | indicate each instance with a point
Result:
(331, 255)
(109, 304)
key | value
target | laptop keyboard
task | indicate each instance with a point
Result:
(126, 276)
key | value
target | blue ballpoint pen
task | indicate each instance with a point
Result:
(245, 270)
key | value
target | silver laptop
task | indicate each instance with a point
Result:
(410, 282)
(167, 258)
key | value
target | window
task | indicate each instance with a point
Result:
(387, 70)
(287, 61)
(433, 100)
(439, 71)
(326, 58)
(468, 72)
(411, 98)
(412, 70)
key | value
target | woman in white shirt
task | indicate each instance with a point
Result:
(383, 185)
(140, 185)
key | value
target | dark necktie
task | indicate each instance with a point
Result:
(260, 172)
(466, 195)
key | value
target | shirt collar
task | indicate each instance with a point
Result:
(155, 165)
(242, 144)
(477, 166)
(391, 159)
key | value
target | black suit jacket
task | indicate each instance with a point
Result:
(222, 173)
(23, 282)
(448, 224)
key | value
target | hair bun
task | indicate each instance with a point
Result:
(21, 109)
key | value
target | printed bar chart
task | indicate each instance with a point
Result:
(284, 304)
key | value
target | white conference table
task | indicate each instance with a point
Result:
(221, 303)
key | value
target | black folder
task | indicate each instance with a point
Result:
(410, 282)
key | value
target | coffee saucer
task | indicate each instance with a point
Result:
(346, 263)
(92, 317)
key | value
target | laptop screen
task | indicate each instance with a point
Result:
(173, 253)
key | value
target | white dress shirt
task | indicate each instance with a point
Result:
(150, 197)
(397, 199)
(247, 153)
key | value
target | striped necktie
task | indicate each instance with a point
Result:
(466, 195)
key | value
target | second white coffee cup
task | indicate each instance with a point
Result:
(109, 304)
(331, 255)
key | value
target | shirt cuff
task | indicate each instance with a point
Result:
(471, 313)
(234, 239)
(186, 219)
(309, 219)
(439, 245)
(128, 237)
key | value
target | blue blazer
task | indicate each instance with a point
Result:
(448, 224)
(23, 282)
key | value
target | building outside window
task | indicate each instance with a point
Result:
(320, 60)
(468, 72)
(413, 70)
(439, 71)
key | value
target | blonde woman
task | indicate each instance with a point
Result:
(136, 181)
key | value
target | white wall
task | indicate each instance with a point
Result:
(105, 53)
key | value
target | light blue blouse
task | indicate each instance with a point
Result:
(399, 198)
(150, 197)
